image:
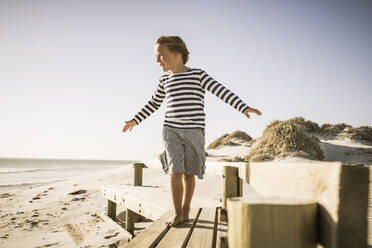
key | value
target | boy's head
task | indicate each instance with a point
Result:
(170, 50)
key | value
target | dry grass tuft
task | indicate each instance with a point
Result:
(226, 139)
(235, 159)
(287, 138)
(342, 130)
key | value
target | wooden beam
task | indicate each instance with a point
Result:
(231, 187)
(271, 223)
(111, 209)
(341, 191)
(230, 183)
(177, 237)
(153, 234)
(130, 218)
(137, 178)
(139, 199)
(221, 232)
(202, 235)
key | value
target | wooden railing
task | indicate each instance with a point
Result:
(296, 204)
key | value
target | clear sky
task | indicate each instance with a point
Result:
(71, 72)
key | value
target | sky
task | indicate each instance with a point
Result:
(72, 72)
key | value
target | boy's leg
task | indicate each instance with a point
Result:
(177, 192)
(189, 186)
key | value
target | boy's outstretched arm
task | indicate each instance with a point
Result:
(154, 103)
(217, 89)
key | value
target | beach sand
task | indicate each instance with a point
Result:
(69, 213)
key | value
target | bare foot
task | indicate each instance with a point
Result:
(185, 213)
(176, 220)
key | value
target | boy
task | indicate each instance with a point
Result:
(183, 89)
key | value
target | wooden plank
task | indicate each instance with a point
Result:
(130, 219)
(111, 209)
(221, 231)
(140, 200)
(202, 235)
(178, 236)
(113, 194)
(137, 167)
(145, 208)
(341, 192)
(230, 183)
(230, 187)
(291, 222)
(151, 236)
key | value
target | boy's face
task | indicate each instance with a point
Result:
(165, 58)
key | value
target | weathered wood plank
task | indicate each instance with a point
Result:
(340, 190)
(140, 200)
(230, 187)
(130, 219)
(202, 235)
(138, 173)
(178, 236)
(113, 194)
(221, 230)
(271, 222)
(111, 209)
(149, 237)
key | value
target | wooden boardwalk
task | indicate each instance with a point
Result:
(335, 196)
(202, 230)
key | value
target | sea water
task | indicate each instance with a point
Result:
(16, 171)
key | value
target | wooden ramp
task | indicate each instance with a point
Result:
(202, 230)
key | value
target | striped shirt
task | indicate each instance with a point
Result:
(184, 95)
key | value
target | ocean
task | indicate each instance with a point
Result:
(17, 171)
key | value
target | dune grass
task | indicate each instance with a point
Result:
(287, 138)
(226, 139)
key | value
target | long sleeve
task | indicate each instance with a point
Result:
(217, 89)
(154, 103)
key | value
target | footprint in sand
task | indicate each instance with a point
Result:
(48, 245)
(111, 236)
(78, 199)
(78, 192)
(6, 195)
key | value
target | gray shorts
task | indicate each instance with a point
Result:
(184, 151)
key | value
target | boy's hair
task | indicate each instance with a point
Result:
(175, 44)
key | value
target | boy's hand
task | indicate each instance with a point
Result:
(129, 124)
(256, 111)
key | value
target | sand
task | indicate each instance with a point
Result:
(69, 213)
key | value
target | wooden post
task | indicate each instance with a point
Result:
(240, 187)
(111, 209)
(223, 242)
(132, 217)
(138, 173)
(231, 187)
(271, 222)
